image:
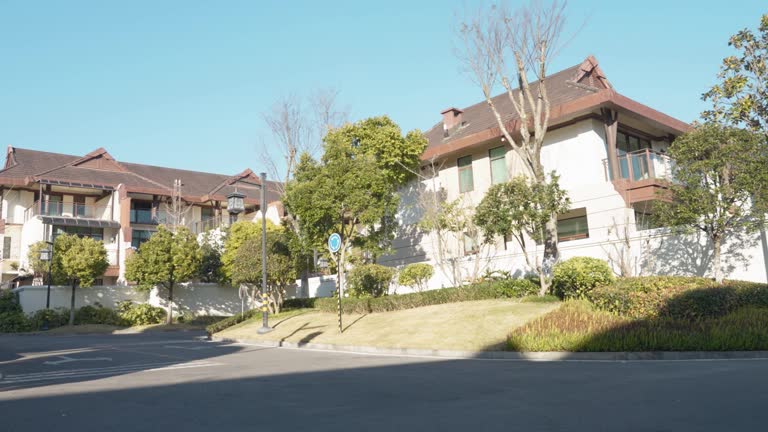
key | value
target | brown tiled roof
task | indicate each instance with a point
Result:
(573, 91)
(24, 166)
(561, 88)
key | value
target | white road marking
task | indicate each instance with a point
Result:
(65, 359)
(188, 348)
(85, 373)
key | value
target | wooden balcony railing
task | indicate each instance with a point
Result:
(641, 165)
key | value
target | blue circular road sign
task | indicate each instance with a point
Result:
(334, 242)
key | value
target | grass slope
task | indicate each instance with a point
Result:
(473, 325)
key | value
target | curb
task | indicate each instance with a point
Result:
(514, 355)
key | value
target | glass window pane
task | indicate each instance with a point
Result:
(466, 180)
(497, 153)
(498, 171)
(573, 228)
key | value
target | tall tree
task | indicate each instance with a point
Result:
(167, 259)
(741, 96)
(718, 168)
(76, 261)
(520, 209)
(503, 46)
(352, 190)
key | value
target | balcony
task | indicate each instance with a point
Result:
(641, 174)
(207, 224)
(68, 210)
(147, 217)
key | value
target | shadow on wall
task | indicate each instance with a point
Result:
(200, 299)
(692, 254)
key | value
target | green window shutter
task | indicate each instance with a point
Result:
(498, 165)
(466, 180)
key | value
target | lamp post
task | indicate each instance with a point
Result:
(47, 255)
(235, 206)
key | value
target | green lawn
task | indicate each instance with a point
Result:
(474, 325)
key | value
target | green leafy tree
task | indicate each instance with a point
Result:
(76, 261)
(237, 234)
(416, 276)
(521, 209)
(352, 190)
(166, 259)
(741, 96)
(370, 280)
(281, 266)
(718, 169)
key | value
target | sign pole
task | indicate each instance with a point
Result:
(334, 245)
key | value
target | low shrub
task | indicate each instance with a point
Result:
(140, 313)
(13, 322)
(55, 317)
(98, 315)
(540, 299)
(515, 288)
(299, 303)
(577, 276)
(9, 302)
(416, 276)
(369, 280)
(677, 297)
(578, 326)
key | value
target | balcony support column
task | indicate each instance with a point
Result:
(611, 124)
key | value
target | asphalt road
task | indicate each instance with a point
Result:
(173, 381)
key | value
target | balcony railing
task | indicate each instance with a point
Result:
(143, 216)
(208, 224)
(642, 165)
(68, 209)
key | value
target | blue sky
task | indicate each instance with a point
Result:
(185, 83)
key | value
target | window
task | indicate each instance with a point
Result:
(6, 247)
(645, 221)
(140, 236)
(94, 233)
(470, 246)
(626, 143)
(498, 164)
(141, 212)
(206, 213)
(79, 205)
(466, 181)
(573, 225)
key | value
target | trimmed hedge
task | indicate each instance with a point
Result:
(677, 297)
(233, 320)
(299, 303)
(482, 291)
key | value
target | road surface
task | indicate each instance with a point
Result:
(175, 381)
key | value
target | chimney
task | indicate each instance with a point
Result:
(451, 118)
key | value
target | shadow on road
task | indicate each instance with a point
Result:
(46, 360)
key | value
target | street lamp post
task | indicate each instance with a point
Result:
(47, 255)
(235, 206)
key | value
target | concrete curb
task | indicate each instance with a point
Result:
(513, 355)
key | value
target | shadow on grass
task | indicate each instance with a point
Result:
(355, 321)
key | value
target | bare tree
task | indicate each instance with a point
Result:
(505, 46)
(176, 210)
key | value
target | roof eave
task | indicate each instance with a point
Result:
(565, 112)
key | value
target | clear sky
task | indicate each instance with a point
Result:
(185, 83)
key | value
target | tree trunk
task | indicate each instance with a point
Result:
(72, 305)
(717, 243)
(551, 254)
(304, 284)
(169, 318)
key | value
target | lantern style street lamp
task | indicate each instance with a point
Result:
(235, 205)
